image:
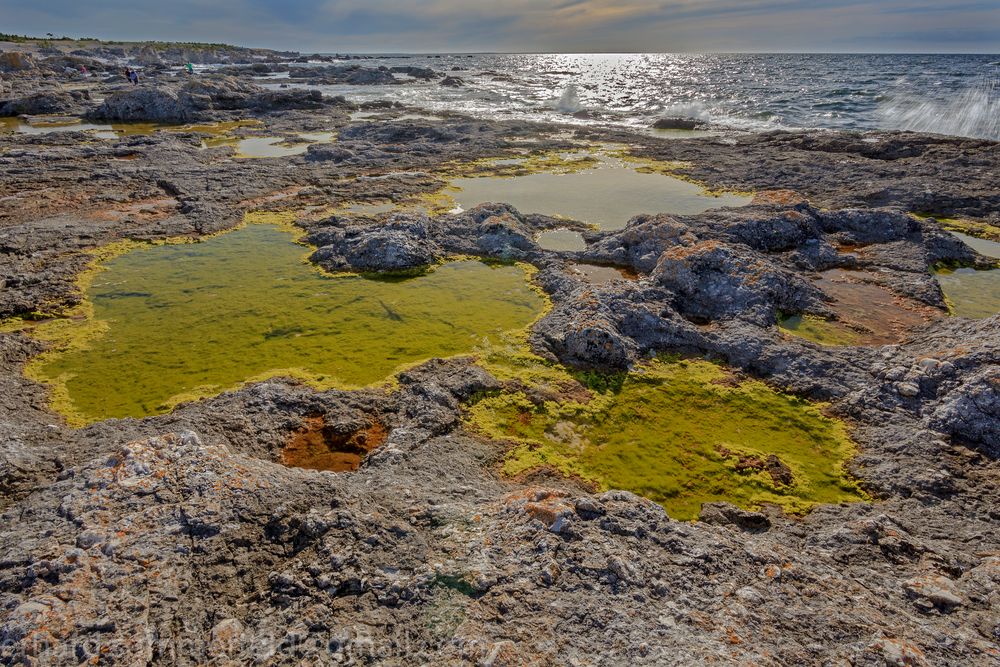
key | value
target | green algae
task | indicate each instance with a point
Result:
(681, 433)
(819, 330)
(604, 187)
(171, 322)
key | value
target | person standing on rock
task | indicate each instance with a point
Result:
(190, 68)
(133, 76)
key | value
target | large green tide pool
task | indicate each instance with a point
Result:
(679, 433)
(179, 321)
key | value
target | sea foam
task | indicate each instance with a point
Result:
(974, 112)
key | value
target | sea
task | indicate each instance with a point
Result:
(946, 94)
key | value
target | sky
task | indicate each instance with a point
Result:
(617, 26)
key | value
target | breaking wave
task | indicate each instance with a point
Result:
(974, 112)
(570, 100)
(696, 110)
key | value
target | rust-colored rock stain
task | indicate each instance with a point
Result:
(318, 446)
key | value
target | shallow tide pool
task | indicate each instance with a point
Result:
(973, 293)
(867, 314)
(607, 193)
(265, 147)
(47, 125)
(172, 322)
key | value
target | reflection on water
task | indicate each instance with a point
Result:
(606, 195)
(57, 124)
(949, 93)
(973, 293)
(561, 240)
(982, 246)
(198, 318)
(265, 147)
(50, 124)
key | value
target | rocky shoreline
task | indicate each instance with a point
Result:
(182, 538)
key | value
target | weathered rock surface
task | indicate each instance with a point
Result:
(50, 102)
(714, 280)
(928, 173)
(399, 245)
(182, 539)
(195, 99)
(13, 61)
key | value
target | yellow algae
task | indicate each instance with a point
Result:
(820, 330)
(975, 228)
(170, 322)
(114, 130)
(681, 433)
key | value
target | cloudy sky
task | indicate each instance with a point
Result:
(528, 25)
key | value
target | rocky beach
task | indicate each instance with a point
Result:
(415, 451)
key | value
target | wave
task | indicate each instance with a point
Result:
(975, 112)
(695, 110)
(570, 100)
